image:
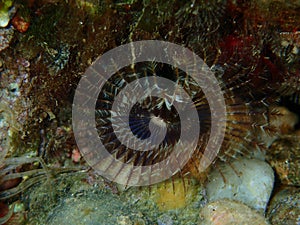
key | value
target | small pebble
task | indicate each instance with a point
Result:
(6, 12)
(246, 180)
(284, 207)
(228, 212)
(284, 156)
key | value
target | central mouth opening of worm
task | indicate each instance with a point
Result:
(145, 118)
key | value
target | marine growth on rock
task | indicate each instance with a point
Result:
(251, 47)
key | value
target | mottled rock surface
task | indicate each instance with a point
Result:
(284, 157)
(284, 207)
(228, 212)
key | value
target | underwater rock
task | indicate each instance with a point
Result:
(75, 199)
(103, 209)
(284, 207)
(13, 107)
(70, 200)
(284, 157)
(228, 212)
(246, 180)
(5, 12)
(6, 35)
(4, 19)
(65, 37)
